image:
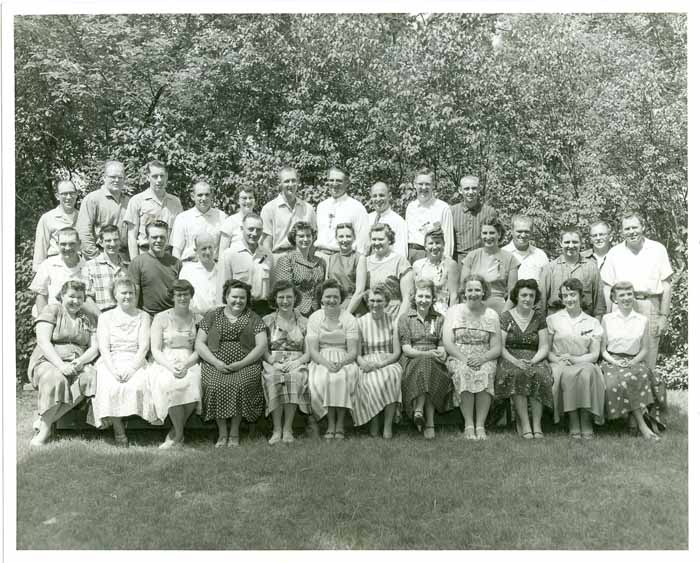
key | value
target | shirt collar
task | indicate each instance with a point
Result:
(103, 259)
(150, 194)
(108, 194)
(282, 202)
(473, 210)
(581, 259)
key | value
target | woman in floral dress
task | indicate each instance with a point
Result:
(231, 342)
(285, 367)
(472, 339)
(523, 371)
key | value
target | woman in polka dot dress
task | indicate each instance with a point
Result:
(628, 381)
(231, 342)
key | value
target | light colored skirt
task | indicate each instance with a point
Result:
(332, 389)
(376, 389)
(468, 379)
(55, 389)
(169, 391)
(580, 386)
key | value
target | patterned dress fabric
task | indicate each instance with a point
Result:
(332, 389)
(292, 387)
(471, 335)
(424, 269)
(166, 389)
(113, 398)
(305, 274)
(537, 380)
(343, 269)
(380, 387)
(70, 338)
(238, 393)
(424, 374)
(579, 386)
(389, 270)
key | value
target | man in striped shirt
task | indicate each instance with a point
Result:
(468, 215)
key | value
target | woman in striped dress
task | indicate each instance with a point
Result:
(379, 383)
(332, 339)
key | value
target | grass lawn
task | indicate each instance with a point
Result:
(615, 492)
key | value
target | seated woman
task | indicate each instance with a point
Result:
(628, 381)
(285, 368)
(123, 335)
(332, 339)
(59, 367)
(497, 266)
(174, 376)
(523, 371)
(384, 265)
(231, 342)
(579, 387)
(379, 383)
(441, 269)
(349, 268)
(472, 339)
(426, 385)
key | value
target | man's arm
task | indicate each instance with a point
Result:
(41, 244)
(86, 229)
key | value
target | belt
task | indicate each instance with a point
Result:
(327, 251)
(642, 295)
(416, 246)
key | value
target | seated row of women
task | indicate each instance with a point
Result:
(231, 365)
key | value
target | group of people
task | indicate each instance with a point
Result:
(158, 312)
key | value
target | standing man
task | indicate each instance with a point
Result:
(57, 270)
(152, 204)
(572, 265)
(202, 218)
(104, 206)
(155, 270)
(203, 274)
(338, 208)
(250, 262)
(231, 228)
(100, 272)
(531, 258)
(468, 215)
(280, 214)
(65, 215)
(600, 240)
(425, 213)
(644, 263)
(380, 197)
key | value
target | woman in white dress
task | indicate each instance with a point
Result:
(379, 382)
(123, 336)
(174, 377)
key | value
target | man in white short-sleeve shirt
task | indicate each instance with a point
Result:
(203, 274)
(339, 208)
(201, 219)
(531, 258)
(380, 197)
(645, 264)
(424, 213)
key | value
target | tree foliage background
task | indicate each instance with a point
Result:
(567, 117)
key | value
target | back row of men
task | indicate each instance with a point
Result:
(112, 232)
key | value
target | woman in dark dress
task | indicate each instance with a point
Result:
(349, 268)
(426, 385)
(523, 372)
(231, 342)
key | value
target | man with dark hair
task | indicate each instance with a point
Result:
(338, 208)
(644, 263)
(203, 218)
(104, 206)
(249, 262)
(280, 214)
(468, 215)
(155, 270)
(65, 215)
(152, 204)
(100, 272)
(424, 214)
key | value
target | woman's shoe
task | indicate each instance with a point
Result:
(329, 435)
(429, 432)
(527, 435)
(418, 419)
(121, 441)
(587, 435)
(275, 439)
(469, 433)
(221, 443)
(287, 438)
(481, 433)
(575, 435)
(233, 442)
(538, 435)
(339, 435)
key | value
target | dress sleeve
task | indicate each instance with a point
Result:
(208, 321)
(313, 327)
(491, 323)
(48, 315)
(352, 331)
(597, 329)
(506, 321)
(283, 269)
(404, 330)
(403, 267)
(541, 322)
(302, 323)
(550, 325)
(258, 325)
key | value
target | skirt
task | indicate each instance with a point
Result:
(286, 388)
(626, 389)
(535, 382)
(470, 380)
(169, 391)
(56, 389)
(376, 390)
(580, 386)
(332, 389)
(426, 375)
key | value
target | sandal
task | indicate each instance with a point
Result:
(527, 435)
(538, 435)
(481, 433)
(575, 435)
(418, 419)
(233, 442)
(329, 435)
(221, 442)
(340, 435)
(469, 433)
(429, 432)
(587, 435)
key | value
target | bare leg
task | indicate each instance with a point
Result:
(44, 425)
(520, 402)
(389, 420)
(177, 418)
(330, 431)
(429, 430)
(536, 407)
(586, 423)
(119, 432)
(289, 412)
(466, 405)
(340, 423)
(312, 426)
(277, 425)
(223, 432)
(374, 426)
(483, 403)
(233, 436)
(574, 424)
(643, 427)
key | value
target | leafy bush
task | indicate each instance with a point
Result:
(24, 300)
(674, 369)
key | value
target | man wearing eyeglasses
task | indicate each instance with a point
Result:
(338, 208)
(600, 242)
(104, 206)
(65, 215)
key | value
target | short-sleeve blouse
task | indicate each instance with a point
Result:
(327, 336)
(573, 336)
(421, 332)
(469, 328)
(379, 269)
(625, 333)
(519, 339)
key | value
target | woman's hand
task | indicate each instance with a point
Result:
(439, 354)
(475, 362)
(521, 364)
(67, 369)
(220, 366)
(334, 367)
(235, 366)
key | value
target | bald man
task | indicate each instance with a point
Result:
(203, 273)
(65, 215)
(380, 199)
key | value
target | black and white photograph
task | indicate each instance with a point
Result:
(386, 276)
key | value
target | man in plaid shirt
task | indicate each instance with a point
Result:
(100, 272)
